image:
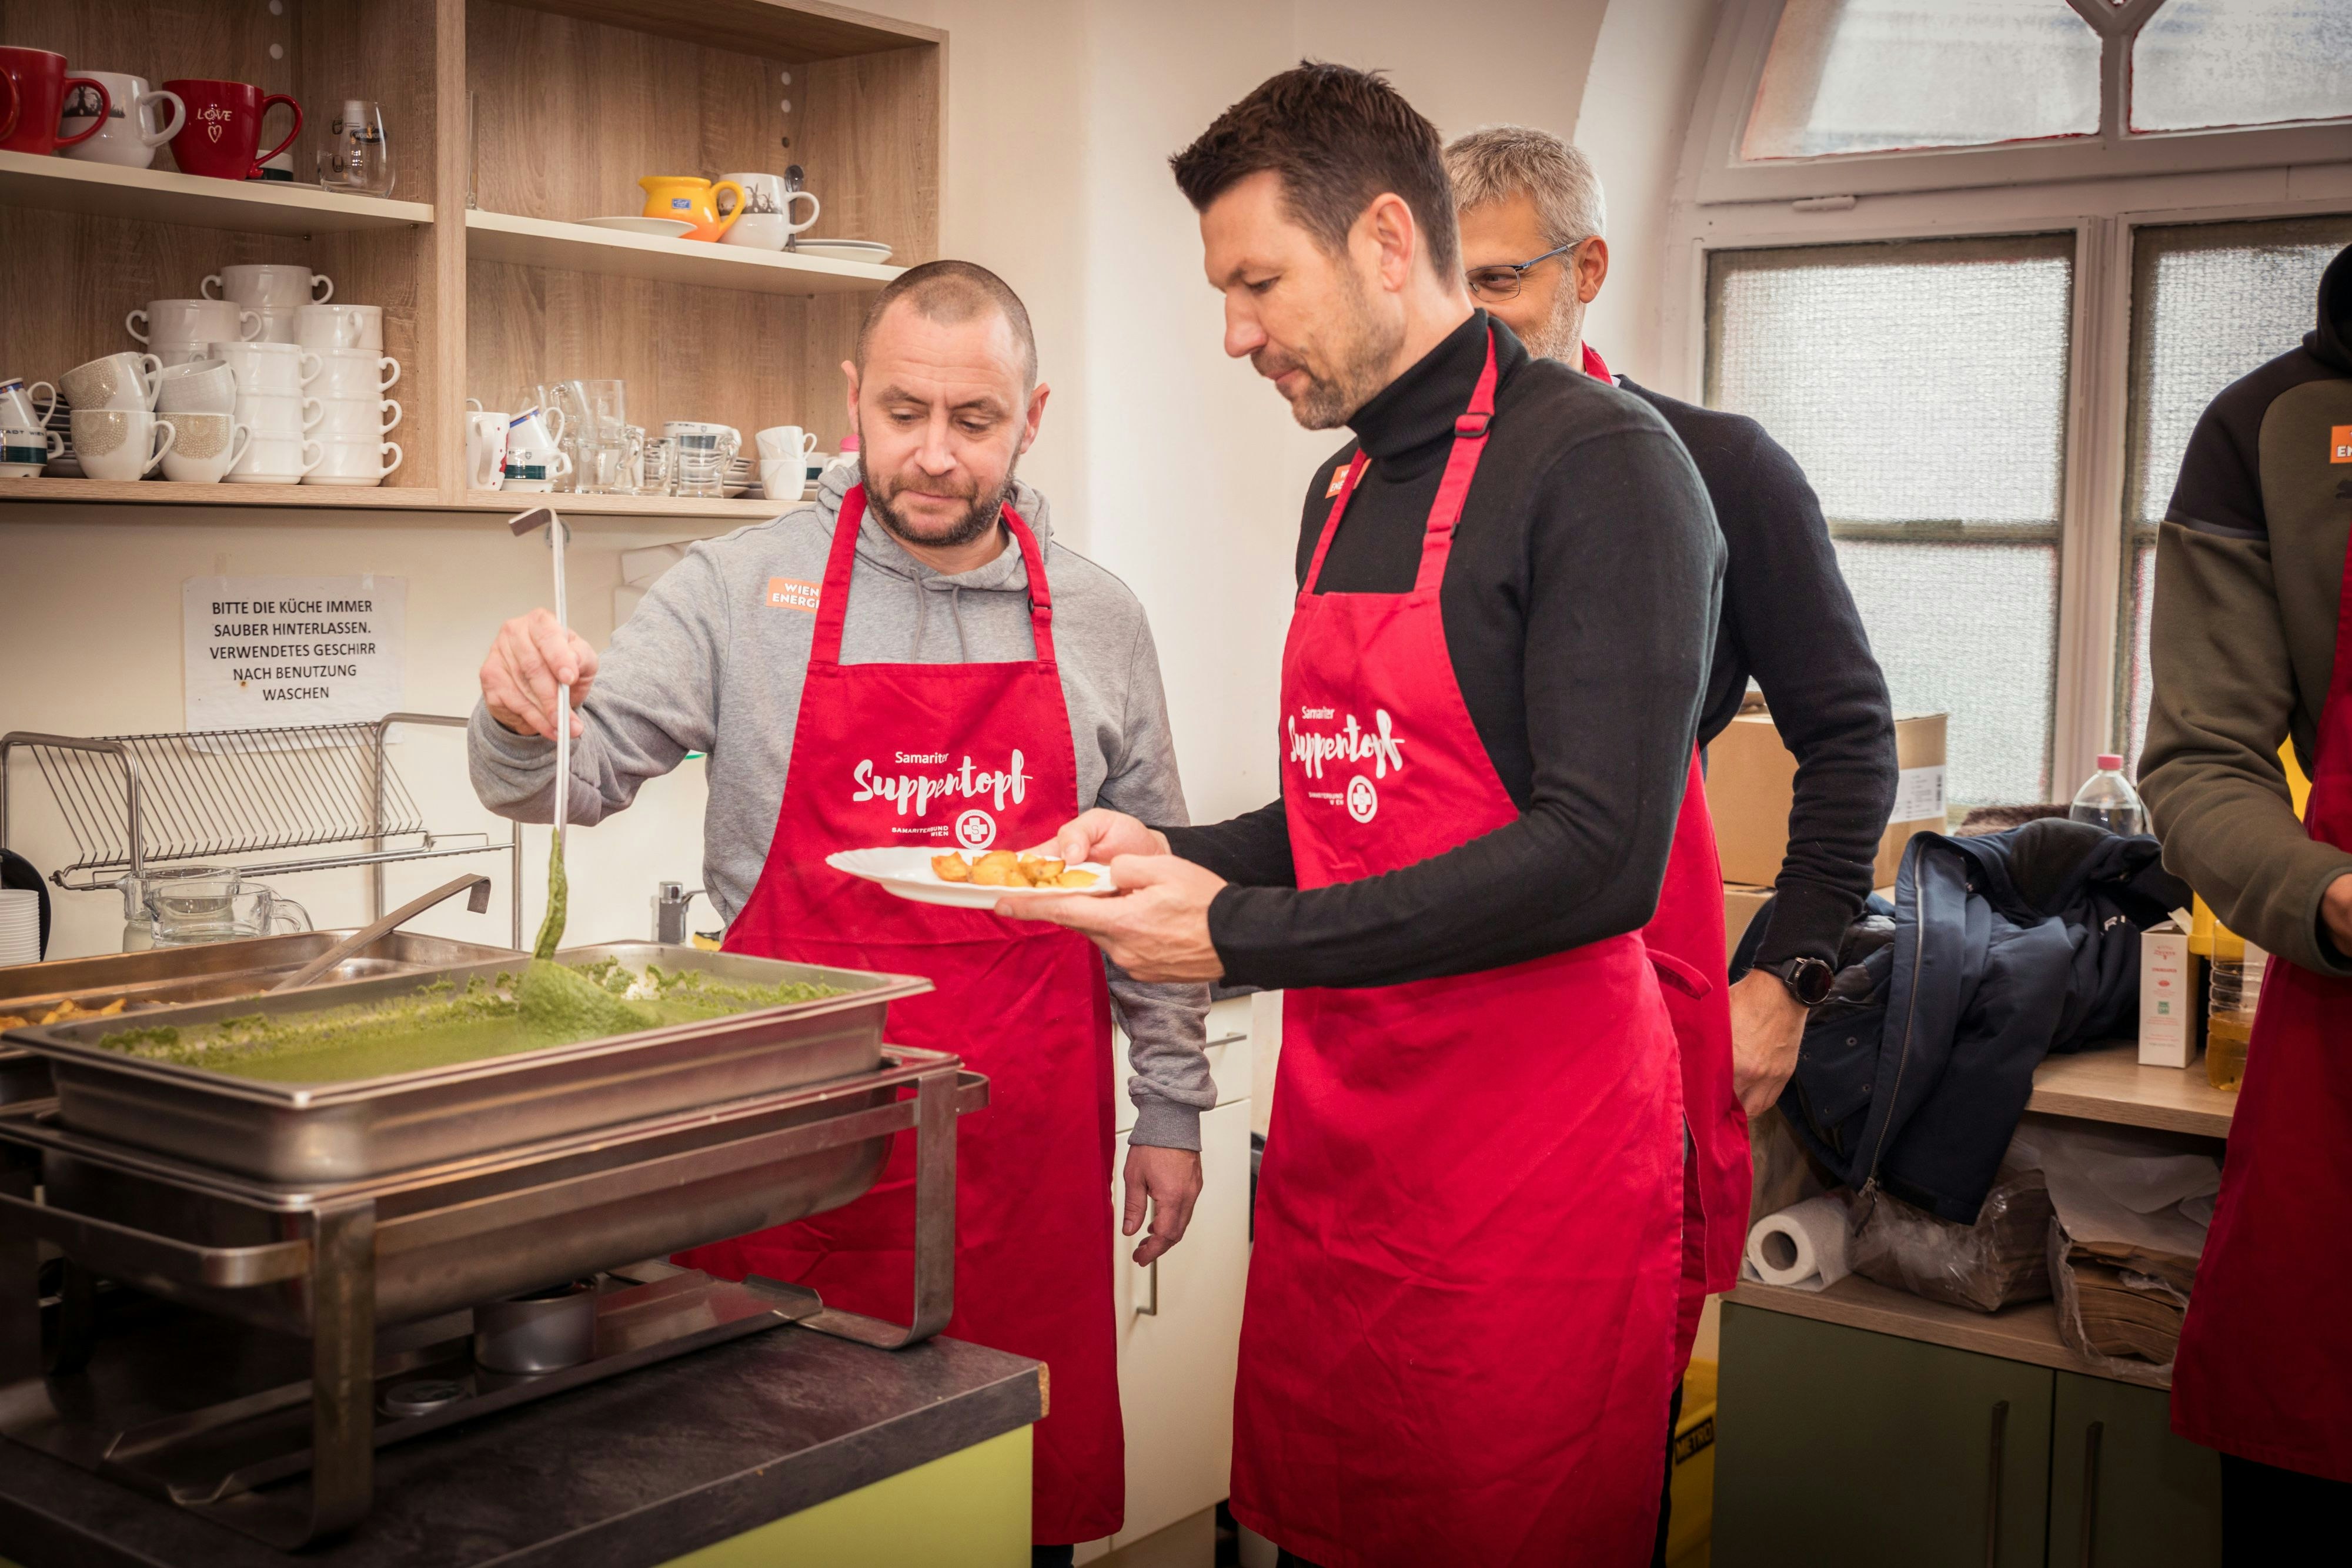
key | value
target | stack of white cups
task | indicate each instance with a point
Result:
(272, 291)
(269, 382)
(348, 341)
(20, 926)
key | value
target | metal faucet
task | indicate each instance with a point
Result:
(670, 899)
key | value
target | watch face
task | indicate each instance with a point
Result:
(1810, 979)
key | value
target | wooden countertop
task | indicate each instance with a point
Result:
(2107, 1083)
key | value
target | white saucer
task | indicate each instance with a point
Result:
(661, 228)
(908, 874)
(872, 251)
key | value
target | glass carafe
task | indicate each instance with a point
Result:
(213, 906)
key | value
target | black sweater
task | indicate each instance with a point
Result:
(1789, 624)
(1578, 603)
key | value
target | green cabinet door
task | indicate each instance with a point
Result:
(1836, 1447)
(2123, 1491)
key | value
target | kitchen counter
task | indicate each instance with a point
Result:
(633, 1471)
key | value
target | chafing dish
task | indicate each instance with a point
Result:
(164, 976)
(292, 1132)
(378, 1273)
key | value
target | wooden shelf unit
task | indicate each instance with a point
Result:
(543, 112)
(2108, 1084)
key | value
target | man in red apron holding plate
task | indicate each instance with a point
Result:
(912, 660)
(1460, 1318)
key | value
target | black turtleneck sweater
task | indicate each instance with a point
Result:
(1580, 606)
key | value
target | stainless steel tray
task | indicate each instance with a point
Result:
(307, 1133)
(166, 977)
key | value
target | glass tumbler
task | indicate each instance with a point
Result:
(702, 460)
(355, 158)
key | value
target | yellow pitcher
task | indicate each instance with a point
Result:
(689, 200)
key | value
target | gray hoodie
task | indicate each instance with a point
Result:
(709, 663)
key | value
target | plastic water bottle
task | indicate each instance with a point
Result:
(2109, 800)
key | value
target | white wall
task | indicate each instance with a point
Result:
(1174, 466)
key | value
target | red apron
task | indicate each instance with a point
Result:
(1689, 929)
(1460, 1310)
(2266, 1365)
(1025, 1003)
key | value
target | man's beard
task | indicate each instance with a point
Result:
(1364, 347)
(1561, 333)
(967, 529)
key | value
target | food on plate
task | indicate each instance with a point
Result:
(441, 1024)
(1003, 868)
(66, 1011)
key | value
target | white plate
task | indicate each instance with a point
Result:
(908, 874)
(873, 252)
(664, 228)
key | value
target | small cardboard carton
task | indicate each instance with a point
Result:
(2171, 1024)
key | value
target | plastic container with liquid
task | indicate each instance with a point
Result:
(2236, 990)
(2108, 800)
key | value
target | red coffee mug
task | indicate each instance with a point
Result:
(223, 128)
(37, 83)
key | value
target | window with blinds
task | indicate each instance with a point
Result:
(1922, 387)
(2210, 302)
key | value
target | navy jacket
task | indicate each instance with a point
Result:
(2002, 948)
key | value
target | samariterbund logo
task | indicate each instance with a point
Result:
(932, 779)
(1312, 748)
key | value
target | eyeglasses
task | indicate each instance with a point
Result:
(1499, 284)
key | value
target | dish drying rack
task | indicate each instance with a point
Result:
(133, 802)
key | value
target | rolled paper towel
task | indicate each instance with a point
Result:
(1802, 1247)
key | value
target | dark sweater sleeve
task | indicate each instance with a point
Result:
(1803, 639)
(1251, 850)
(1624, 573)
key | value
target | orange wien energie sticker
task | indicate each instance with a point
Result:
(785, 594)
(1339, 480)
(2339, 444)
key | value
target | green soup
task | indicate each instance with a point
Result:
(442, 1025)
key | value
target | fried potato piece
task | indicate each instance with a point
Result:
(1040, 871)
(998, 868)
(10, 1021)
(951, 867)
(70, 1011)
(1075, 879)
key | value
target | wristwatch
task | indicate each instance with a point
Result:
(1808, 979)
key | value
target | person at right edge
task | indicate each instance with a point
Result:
(1530, 208)
(2253, 602)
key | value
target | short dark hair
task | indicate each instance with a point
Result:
(1338, 138)
(954, 291)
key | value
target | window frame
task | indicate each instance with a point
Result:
(2185, 177)
(1736, 68)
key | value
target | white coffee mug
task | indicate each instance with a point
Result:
(533, 462)
(356, 462)
(767, 221)
(276, 460)
(782, 480)
(357, 418)
(280, 417)
(319, 327)
(270, 283)
(131, 133)
(199, 386)
(269, 370)
(786, 441)
(120, 443)
(207, 446)
(278, 323)
(170, 353)
(16, 404)
(24, 448)
(353, 372)
(485, 449)
(194, 321)
(117, 381)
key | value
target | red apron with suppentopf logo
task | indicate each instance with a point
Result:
(1688, 930)
(1460, 1300)
(1022, 1002)
(2264, 1362)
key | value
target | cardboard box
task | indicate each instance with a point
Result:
(2171, 1024)
(1751, 782)
(1739, 907)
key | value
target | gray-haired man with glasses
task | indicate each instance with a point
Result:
(1531, 214)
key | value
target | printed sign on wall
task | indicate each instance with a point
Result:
(269, 651)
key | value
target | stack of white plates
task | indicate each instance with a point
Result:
(873, 253)
(20, 927)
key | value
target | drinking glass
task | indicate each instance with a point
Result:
(356, 159)
(702, 460)
(659, 474)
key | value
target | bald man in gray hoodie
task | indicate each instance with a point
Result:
(728, 654)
